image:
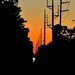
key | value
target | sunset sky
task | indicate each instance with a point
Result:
(33, 12)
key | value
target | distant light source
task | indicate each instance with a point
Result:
(33, 59)
(2, 1)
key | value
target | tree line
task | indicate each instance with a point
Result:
(17, 48)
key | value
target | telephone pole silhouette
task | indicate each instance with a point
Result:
(60, 11)
(52, 8)
(61, 2)
(44, 27)
(52, 20)
(41, 38)
(55, 16)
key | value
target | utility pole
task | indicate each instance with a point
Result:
(44, 27)
(61, 2)
(52, 20)
(41, 38)
(55, 16)
(52, 8)
(60, 11)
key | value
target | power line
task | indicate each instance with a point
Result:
(67, 9)
(72, 22)
(68, 4)
(65, 16)
(61, 10)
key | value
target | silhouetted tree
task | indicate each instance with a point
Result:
(60, 52)
(15, 45)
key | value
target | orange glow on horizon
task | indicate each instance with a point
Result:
(33, 12)
(34, 36)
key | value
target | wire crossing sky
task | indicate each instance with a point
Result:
(33, 12)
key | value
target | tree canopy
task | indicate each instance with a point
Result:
(15, 45)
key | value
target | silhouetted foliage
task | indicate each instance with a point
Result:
(15, 44)
(60, 52)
